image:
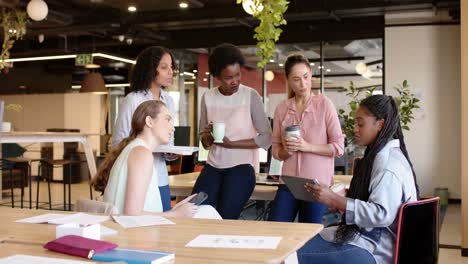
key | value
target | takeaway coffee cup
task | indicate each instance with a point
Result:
(293, 131)
(218, 132)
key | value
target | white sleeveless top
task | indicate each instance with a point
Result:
(117, 183)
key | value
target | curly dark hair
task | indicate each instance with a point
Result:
(222, 56)
(144, 71)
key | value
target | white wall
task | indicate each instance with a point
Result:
(429, 58)
(42, 111)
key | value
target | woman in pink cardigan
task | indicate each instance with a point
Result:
(310, 155)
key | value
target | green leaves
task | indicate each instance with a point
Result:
(14, 28)
(405, 101)
(14, 107)
(267, 33)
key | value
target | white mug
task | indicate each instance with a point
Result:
(218, 132)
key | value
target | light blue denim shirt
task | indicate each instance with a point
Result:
(123, 125)
(391, 185)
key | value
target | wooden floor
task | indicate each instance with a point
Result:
(450, 233)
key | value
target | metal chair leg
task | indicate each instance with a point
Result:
(64, 195)
(48, 186)
(12, 191)
(39, 179)
(30, 184)
(69, 187)
(22, 189)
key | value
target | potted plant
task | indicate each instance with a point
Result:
(405, 101)
(6, 126)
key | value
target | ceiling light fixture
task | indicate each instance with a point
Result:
(132, 9)
(70, 56)
(107, 85)
(103, 55)
(361, 68)
(269, 76)
(40, 38)
(93, 83)
(250, 7)
(280, 64)
(92, 66)
(37, 10)
(183, 5)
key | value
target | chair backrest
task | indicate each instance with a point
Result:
(418, 232)
(97, 207)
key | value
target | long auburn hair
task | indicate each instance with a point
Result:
(149, 108)
(291, 61)
(383, 108)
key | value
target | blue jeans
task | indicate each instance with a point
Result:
(228, 189)
(318, 250)
(285, 208)
(165, 193)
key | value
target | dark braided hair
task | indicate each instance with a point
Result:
(382, 107)
(145, 70)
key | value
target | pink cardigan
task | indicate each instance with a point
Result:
(319, 125)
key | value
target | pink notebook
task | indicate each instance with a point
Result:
(79, 246)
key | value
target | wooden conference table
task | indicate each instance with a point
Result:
(22, 238)
(182, 185)
(43, 137)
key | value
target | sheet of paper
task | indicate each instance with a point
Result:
(60, 219)
(180, 150)
(275, 167)
(41, 219)
(27, 259)
(247, 242)
(80, 218)
(106, 231)
(142, 220)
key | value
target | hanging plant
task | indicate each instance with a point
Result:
(267, 32)
(14, 28)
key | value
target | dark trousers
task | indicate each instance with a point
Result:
(285, 208)
(228, 189)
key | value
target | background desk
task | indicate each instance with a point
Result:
(182, 185)
(43, 137)
(172, 238)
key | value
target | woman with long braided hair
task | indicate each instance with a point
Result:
(383, 180)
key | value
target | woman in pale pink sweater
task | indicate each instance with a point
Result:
(310, 155)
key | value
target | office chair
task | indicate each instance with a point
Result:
(418, 232)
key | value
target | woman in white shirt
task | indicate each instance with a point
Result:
(128, 177)
(153, 71)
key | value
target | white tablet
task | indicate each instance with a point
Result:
(296, 186)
